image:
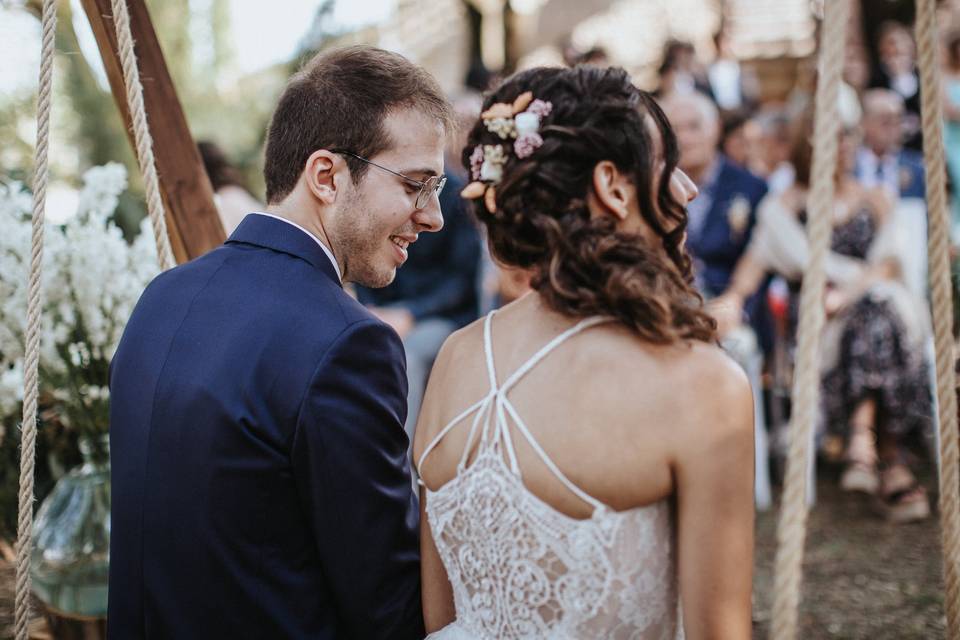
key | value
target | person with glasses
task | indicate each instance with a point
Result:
(261, 483)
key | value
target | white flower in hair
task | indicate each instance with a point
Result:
(526, 122)
(493, 161)
(491, 171)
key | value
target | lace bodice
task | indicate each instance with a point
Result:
(520, 568)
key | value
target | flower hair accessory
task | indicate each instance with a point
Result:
(518, 121)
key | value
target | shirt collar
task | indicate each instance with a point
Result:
(326, 250)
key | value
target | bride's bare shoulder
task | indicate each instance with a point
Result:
(686, 381)
(717, 391)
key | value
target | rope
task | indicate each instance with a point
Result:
(940, 290)
(141, 132)
(792, 528)
(31, 365)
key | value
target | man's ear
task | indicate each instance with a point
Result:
(612, 190)
(323, 173)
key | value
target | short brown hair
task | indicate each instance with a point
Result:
(339, 100)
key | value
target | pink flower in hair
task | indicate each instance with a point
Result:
(526, 144)
(540, 107)
(476, 161)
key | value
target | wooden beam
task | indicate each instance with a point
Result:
(192, 220)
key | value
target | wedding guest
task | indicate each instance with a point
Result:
(775, 145)
(897, 71)
(230, 193)
(732, 85)
(951, 127)
(721, 218)
(874, 389)
(881, 160)
(679, 71)
(739, 138)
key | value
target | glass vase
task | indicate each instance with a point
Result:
(71, 553)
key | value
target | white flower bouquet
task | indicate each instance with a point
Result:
(92, 277)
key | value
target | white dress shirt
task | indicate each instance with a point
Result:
(326, 250)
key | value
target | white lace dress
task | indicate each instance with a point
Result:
(520, 568)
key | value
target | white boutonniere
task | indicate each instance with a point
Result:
(738, 215)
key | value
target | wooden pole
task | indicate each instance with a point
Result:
(192, 221)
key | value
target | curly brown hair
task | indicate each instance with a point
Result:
(584, 266)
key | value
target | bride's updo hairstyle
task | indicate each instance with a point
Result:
(531, 195)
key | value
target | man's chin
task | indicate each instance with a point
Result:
(377, 280)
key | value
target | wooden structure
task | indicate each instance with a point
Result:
(192, 221)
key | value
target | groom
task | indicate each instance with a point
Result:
(260, 479)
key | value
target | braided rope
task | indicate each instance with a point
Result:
(141, 132)
(792, 527)
(941, 290)
(31, 365)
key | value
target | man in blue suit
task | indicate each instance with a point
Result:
(260, 483)
(721, 218)
(882, 160)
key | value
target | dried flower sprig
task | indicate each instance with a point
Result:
(518, 121)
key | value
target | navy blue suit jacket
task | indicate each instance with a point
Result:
(718, 245)
(911, 178)
(260, 480)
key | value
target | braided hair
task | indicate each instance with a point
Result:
(538, 218)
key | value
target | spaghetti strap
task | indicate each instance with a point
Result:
(488, 349)
(547, 348)
(492, 412)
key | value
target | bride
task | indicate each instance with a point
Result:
(586, 452)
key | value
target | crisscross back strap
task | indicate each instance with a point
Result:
(493, 410)
(546, 349)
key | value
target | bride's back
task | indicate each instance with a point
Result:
(604, 406)
(585, 451)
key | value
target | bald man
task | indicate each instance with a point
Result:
(722, 216)
(882, 160)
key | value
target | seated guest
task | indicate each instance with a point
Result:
(897, 71)
(739, 138)
(775, 145)
(230, 193)
(881, 159)
(434, 294)
(874, 386)
(722, 216)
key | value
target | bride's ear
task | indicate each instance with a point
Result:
(613, 193)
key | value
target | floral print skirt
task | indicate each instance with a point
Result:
(877, 361)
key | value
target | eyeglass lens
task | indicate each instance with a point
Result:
(431, 185)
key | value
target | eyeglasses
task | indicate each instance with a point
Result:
(433, 184)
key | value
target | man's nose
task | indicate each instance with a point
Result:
(430, 218)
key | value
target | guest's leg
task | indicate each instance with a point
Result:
(422, 345)
(904, 499)
(861, 471)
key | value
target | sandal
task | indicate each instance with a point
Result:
(861, 472)
(861, 477)
(902, 498)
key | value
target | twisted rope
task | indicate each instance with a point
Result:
(792, 527)
(942, 306)
(31, 365)
(141, 132)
